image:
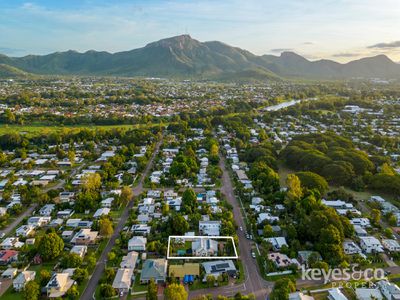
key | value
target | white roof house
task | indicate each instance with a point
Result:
(363, 222)
(22, 279)
(350, 247)
(388, 289)
(391, 245)
(204, 247)
(210, 228)
(266, 217)
(47, 209)
(129, 260)
(277, 242)
(137, 243)
(107, 202)
(123, 280)
(370, 244)
(368, 294)
(336, 294)
(25, 230)
(101, 212)
(80, 250)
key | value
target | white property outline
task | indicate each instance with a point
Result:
(201, 237)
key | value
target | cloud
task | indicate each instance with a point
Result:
(346, 54)
(395, 44)
(279, 50)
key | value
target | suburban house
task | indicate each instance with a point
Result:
(84, 237)
(368, 294)
(123, 280)
(154, 268)
(141, 229)
(67, 197)
(336, 294)
(391, 245)
(218, 267)
(390, 290)
(204, 247)
(47, 209)
(80, 250)
(277, 242)
(137, 243)
(299, 296)
(370, 244)
(25, 230)
(59, 284)
(210, 228)
(129, 261)
(101, 212)
(38, 221)
(8, 256)
(10, 243)
(22, 279)
(107, 202)
(350, 248)
(266, 217)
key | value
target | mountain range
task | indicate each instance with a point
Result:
(185, 57)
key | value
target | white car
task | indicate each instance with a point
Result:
(253, 254)
(241, 228)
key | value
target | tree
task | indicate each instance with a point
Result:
(91, 182)
(310, 180)
(109, 274)
(151, 290)
(71, 260)
(268, 231)
(189, 201)
(31, 290)
(71, 157)
(294, 187)
(165, 209)
(107, 291)
(175, 291)
(80, 274)
(126, 195)
(210, 280)
(50, 246)
(178, 224)
(375, 216)
(330, 245)
(72, 293)
(111, 256)
(44, 276)
(105, 226)
(283, 287)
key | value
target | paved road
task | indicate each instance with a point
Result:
(18, 220)
(254, 282)
(99, 269)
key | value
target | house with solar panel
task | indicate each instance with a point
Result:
(219, 267)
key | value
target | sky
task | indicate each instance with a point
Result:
(341, 30)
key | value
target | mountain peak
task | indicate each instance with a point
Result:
(292, 55)
(179, 41)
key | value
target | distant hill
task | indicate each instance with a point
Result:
(185, 57)
(7, 71)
